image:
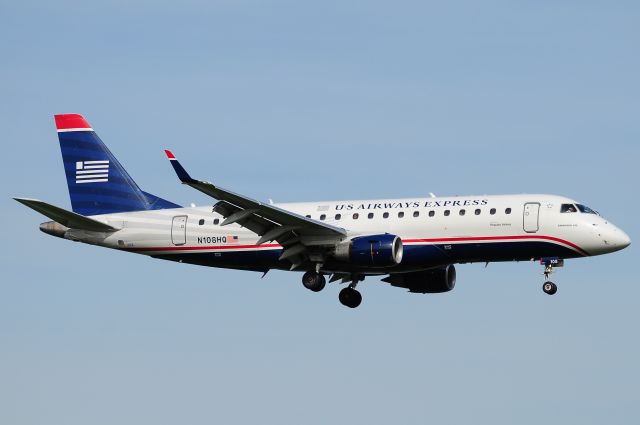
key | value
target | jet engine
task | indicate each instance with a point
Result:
(371, 251)
(425, 282)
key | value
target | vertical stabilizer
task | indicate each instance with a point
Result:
(98, 183)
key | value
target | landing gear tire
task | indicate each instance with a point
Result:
(550, 288)
(350, 297)
(314, 281)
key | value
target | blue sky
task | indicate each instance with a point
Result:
(307, 101)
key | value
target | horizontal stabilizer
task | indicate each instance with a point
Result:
(66, 218)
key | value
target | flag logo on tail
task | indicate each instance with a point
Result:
(232, 239)
(92, 171)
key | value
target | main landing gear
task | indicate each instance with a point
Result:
(349, 296)
(549, 287)
(314, 281)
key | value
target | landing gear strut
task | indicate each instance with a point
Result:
(549, 263)
(314, 281)
(349, 296)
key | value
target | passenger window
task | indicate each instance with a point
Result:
(568, 208)
(370, 216)
(308, 216)
(432, 213)
(507, 211)
(400, 214)
(462, 212)
(385, 215)
(416, 213)
(478, 211)
(216, 221)
(201, 222)
(492, 211)
(323, 216)
(338, 216)
(355, 216)
(447, 212)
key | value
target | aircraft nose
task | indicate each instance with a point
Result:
(624, 240)
(617, 239)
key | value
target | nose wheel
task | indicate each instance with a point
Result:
(549, 287)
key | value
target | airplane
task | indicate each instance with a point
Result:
(412, 243)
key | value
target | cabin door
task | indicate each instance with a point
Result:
(531, 215)
(179, 230)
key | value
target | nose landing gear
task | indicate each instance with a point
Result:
(549, 287)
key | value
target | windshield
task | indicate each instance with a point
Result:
(585, 209)
(568, 208)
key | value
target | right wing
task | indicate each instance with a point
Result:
(302, 238)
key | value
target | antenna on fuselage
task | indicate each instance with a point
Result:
(431, 194)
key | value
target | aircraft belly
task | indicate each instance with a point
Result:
(416, 257)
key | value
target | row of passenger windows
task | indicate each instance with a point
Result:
(431, 213)
(356, 216)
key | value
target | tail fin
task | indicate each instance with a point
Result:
(98, 184)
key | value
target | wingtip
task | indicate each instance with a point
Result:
(178, 168)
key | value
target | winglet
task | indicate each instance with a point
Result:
(178, 168)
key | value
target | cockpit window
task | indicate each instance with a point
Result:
(568, 208)
(585, 209)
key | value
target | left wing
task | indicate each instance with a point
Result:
(302, 238)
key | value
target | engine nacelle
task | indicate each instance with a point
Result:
(425, 282)
(371, 251)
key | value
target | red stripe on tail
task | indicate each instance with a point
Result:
(66, 121)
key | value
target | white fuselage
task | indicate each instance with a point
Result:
(434, 231)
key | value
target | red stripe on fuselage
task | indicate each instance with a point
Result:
(426, 240)
(199, 248)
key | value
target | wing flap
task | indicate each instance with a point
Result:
(269, 230)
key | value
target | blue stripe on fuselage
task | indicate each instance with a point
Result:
(414, 257)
